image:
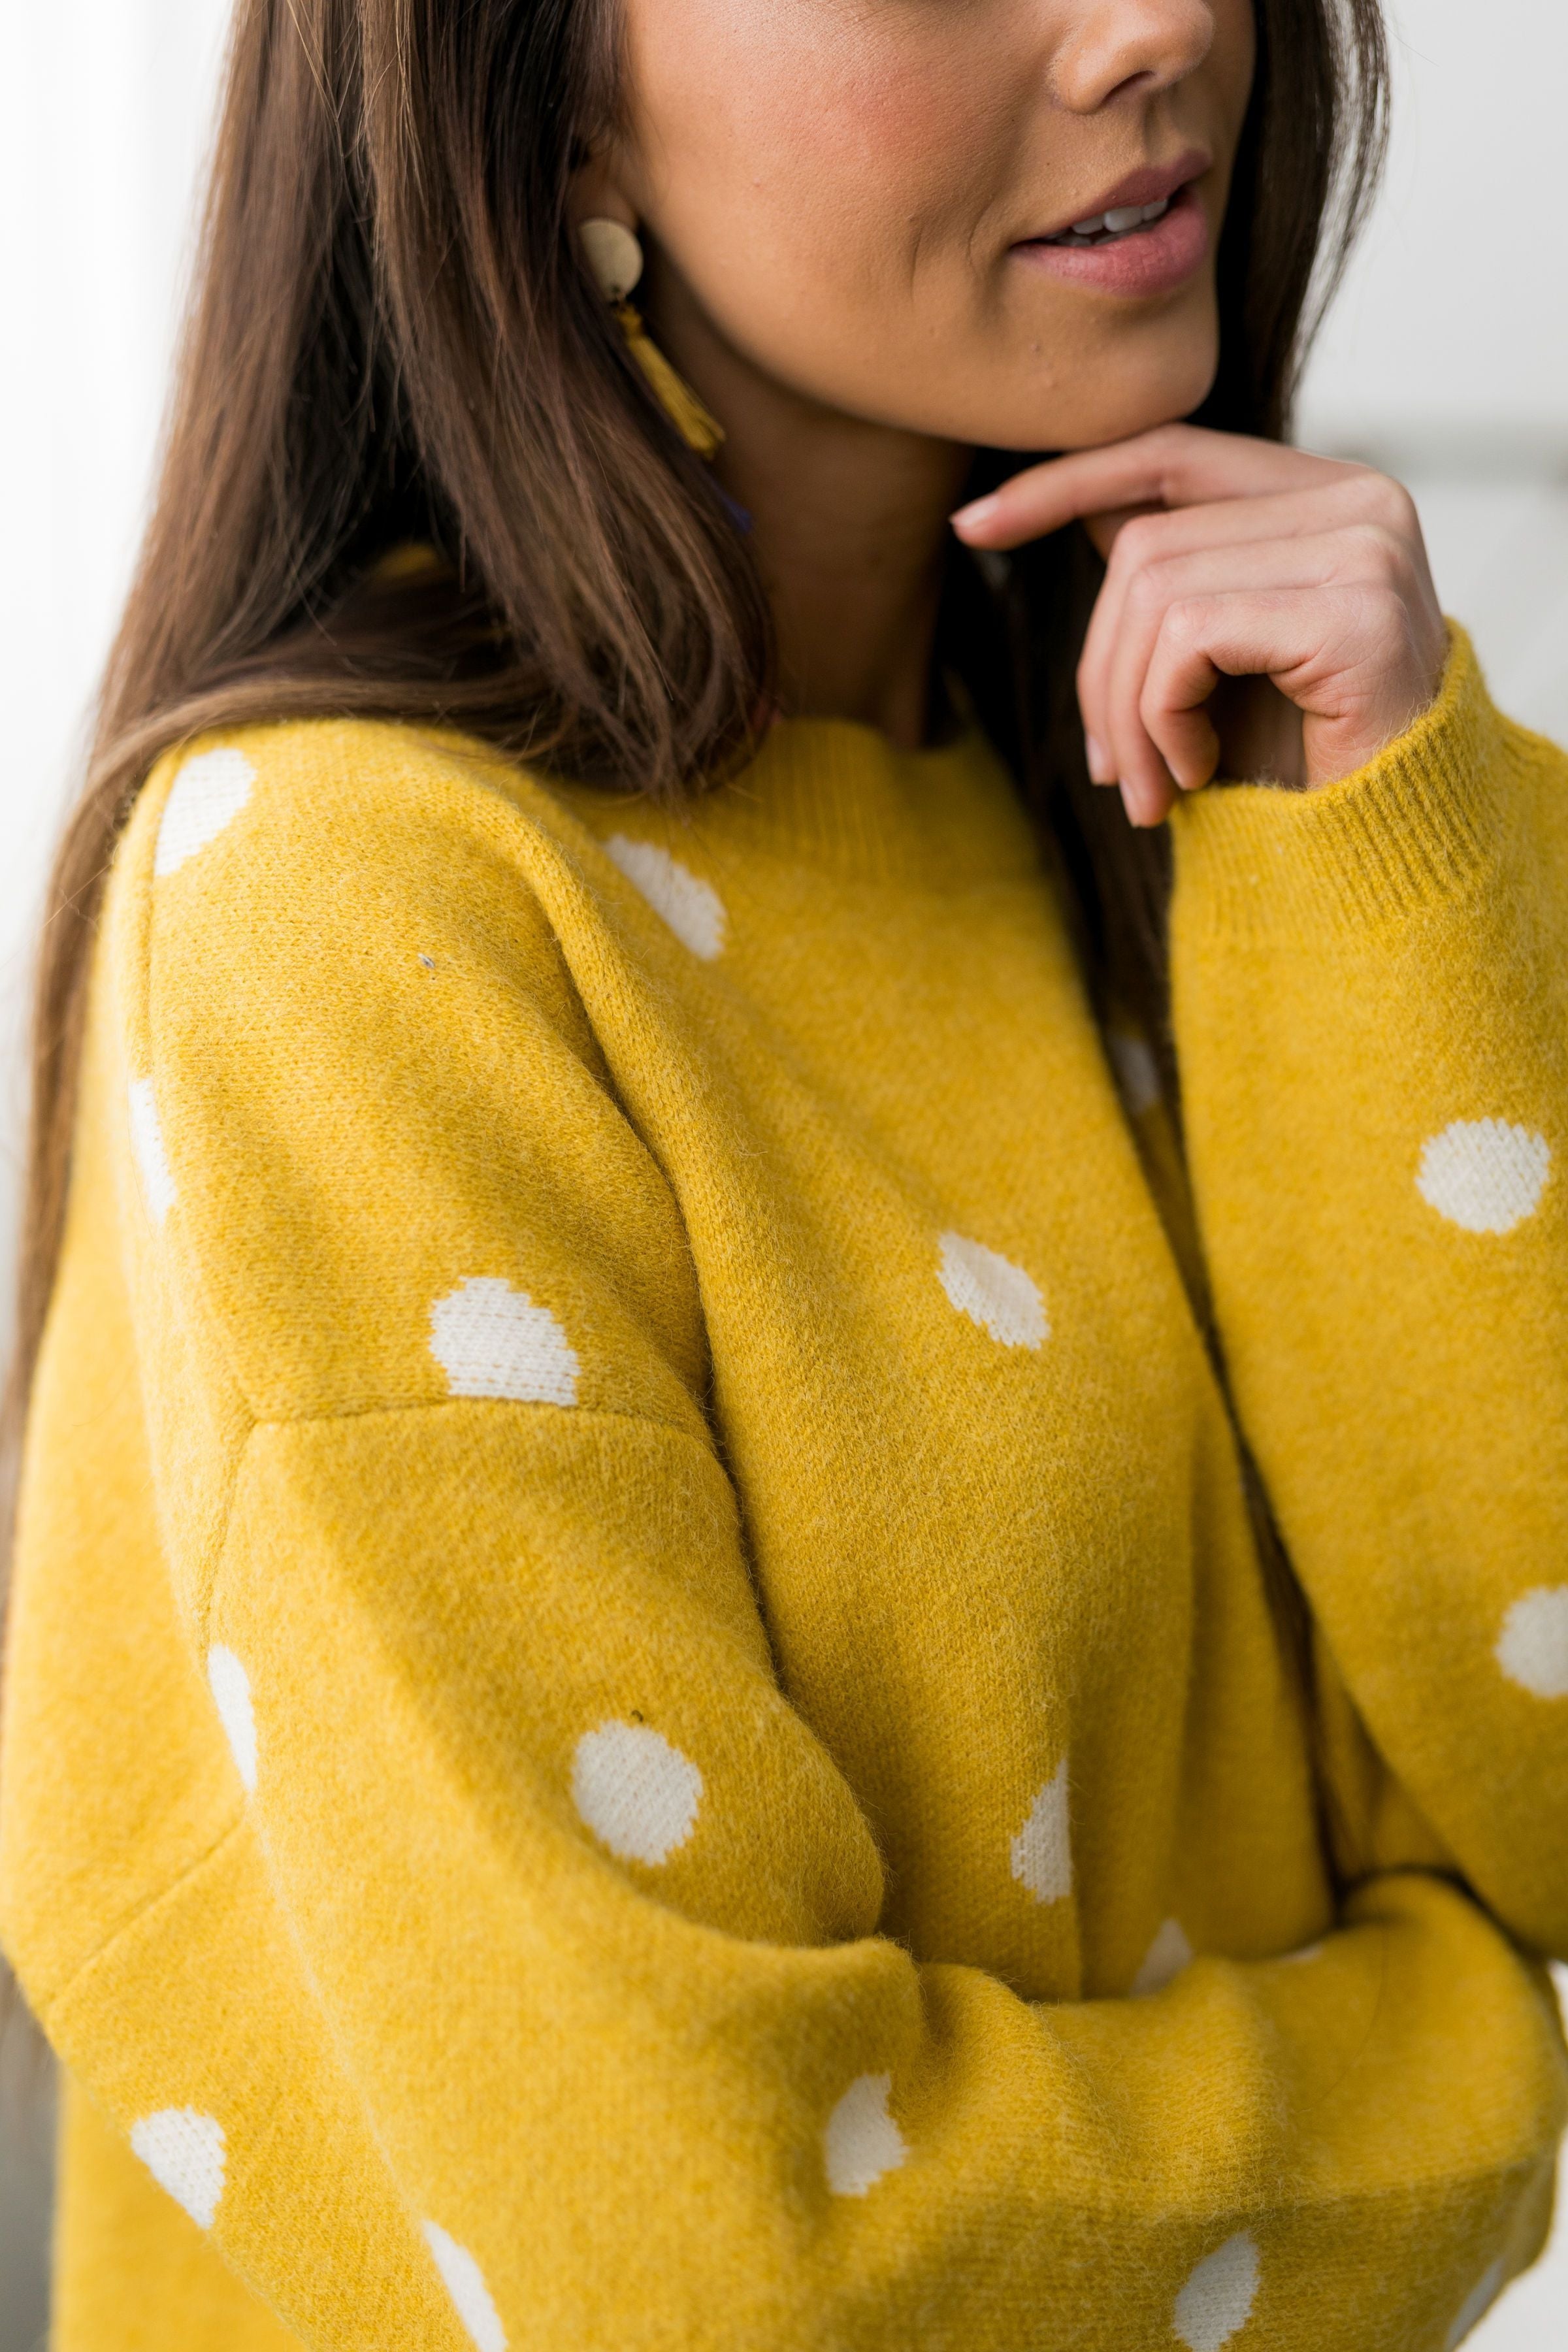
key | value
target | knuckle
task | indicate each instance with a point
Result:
(1186, 617)
(1137, 541)
(1148, 589)
(1390, 503)
(1403, 515)
(1383, 552)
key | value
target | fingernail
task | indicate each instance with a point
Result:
(1099, 768)
(974, 516)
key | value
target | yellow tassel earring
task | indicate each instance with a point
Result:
(614, 260)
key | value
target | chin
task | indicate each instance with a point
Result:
(1108, 399)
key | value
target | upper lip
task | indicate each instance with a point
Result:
(1146, 186)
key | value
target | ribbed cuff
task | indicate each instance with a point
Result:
(1407, 831)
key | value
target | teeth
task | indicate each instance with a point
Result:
(1119, 220)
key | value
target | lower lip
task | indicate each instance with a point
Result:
(1152, 260)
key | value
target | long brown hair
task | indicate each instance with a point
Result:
(391, 341)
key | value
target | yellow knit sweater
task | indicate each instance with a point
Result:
(644, 1713)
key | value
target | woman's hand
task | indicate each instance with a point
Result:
(1264, 612)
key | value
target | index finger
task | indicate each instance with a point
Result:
(1173, 465)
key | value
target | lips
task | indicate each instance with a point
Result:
(1152, 183)
(1151, 259)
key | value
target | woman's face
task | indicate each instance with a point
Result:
(865, 199)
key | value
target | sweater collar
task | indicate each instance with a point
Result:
(837, 795)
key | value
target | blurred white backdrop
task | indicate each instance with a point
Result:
(1446, 361)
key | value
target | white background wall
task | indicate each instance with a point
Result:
(1446, 361)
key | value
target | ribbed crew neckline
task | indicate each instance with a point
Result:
(835, 794)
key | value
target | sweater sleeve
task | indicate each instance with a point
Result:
(534, 1996)
(1372, 1012)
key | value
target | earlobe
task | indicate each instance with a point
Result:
(594, 191)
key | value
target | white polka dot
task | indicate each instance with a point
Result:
(1217, 2298)
(1042, 1851)
(1475, 2306)
(860, 2141)
(1166, 1956)
(230, 1686)
(1532, 1648)
(992, 1292)
(693, 908)
(184, 2153)
(208, 793)
(464, 2282)
(1137, 1071)
(492, 1341)
(147, 1142)
(636, 1792)
(1484, 1174)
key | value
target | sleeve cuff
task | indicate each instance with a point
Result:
(1408, 830)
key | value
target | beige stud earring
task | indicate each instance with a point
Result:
(614, 256)
(614, 260)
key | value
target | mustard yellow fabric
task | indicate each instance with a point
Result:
(132, 2270)
(643, 1710)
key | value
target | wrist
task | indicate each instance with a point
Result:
(1409, 827)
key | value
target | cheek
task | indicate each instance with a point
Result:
(822, 152)
(837, 182)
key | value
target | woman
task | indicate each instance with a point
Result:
(651, 1704)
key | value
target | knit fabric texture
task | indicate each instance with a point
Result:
(645, 1713)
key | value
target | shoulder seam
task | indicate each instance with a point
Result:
(140, 1912)
(533, 1407)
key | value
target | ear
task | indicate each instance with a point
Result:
(596, 192)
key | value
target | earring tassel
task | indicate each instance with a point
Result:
(697, 428)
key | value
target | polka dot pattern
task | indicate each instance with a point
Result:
(1483, 1174)
(230, 1687)
(207, 795)
(147, 1142)
(1137, 1071)
(861, 2142)
(1216, 2301)
(637, 1794)
(493, 1341)
(1042, 1851)
(992, 1292)
(186, 2153)
(691, 908)
(1166, 1956)
(1475, 2306)
(1532, 1647)
(464, 2282)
